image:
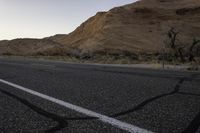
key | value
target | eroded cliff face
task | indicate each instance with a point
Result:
(136, 28)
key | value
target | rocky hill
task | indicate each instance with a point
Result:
(137, 28)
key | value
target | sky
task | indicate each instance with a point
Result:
(43, 18)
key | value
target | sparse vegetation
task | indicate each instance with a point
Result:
(181, 51)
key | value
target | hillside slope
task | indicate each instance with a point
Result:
(135, 28)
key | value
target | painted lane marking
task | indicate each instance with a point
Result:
(114, 122)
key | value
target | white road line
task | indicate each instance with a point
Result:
(114, 122)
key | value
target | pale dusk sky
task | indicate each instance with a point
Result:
(42, 18)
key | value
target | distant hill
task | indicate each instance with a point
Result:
(137, 28)
(30, 47)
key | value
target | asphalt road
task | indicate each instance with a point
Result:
(153, 100)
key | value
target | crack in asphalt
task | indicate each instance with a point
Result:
(187, 93)
(194, 124)
(141, 105)
(59, 127)
(62, 121)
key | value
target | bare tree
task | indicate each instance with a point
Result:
(191, 49)
(172, 35)
(179, 49)
(175, 44)
(181, 53)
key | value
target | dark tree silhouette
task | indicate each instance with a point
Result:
(174, 44)
(191, 49)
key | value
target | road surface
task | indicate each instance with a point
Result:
(47, 96)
